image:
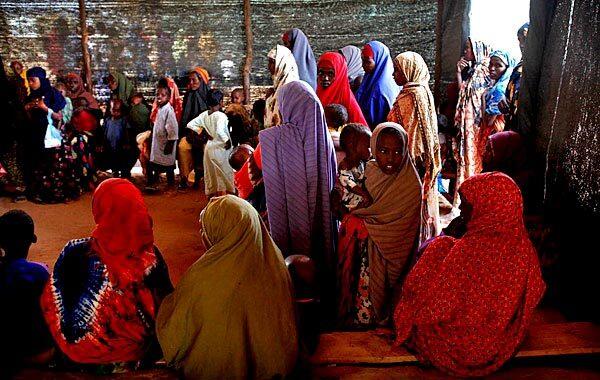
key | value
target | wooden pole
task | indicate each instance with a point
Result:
(87, 64)
(249, 51)
(437, 92)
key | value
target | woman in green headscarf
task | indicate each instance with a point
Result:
(231, 315)
(120, 86)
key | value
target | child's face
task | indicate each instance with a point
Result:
(497, 68)
(326, 76)
(17, 68)
(72, 83)
(162, 96)
(81, 103)
(34, 82)
(136, 100)
(331, 119)
(116, 111)
(389, 153)
(363, 147)
(468, 52)
(272, 66)
(194, 81)
(237, 97)
(63, 90)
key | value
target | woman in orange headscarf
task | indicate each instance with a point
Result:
(102, 298)
(466, 304)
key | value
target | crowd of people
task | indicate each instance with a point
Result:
(336, 175)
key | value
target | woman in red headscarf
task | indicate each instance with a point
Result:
(333, 86)
(101, 301)
(466, 304)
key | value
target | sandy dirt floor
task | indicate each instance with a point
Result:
(175, 215)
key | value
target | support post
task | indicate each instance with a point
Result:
(86, 60)
(249, 51)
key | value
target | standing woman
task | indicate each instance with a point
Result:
(77, 90)
(190, 149)
(102, 298)
(473, 79)
(120, 87)
(378, 90)
(283, 69)
(501, 68)
(299, 166)
(356, 72)
(376, 242)
(295, 40)
(333, 86)
(46, 164)
(414, 109)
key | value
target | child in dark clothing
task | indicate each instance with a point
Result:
(24, 336)
(118, 141)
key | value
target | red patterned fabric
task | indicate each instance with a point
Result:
(467, 303)
(352, 235)
(339, 92)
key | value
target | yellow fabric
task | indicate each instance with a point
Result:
(24, 76)
(414, 109)
(185, 160)
(231, 315)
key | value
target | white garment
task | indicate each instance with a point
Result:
(218, 174)
(165, 128)
(286, 70)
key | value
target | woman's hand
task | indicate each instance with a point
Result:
(461, 64)
(41, 105)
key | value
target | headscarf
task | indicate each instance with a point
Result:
(124, 89)
(378, 90)
(232, 313)
(80, 91)
(299, 166)
(174, 100)
(123, 237)
(105, 313)
(286, 71)
(305, 59)
(202, 74)
(393, 221)
(478, 80)
(494, 95)
(353, 58)
(52, 97)
(467, 302)
(416, 99)
(509, 156)
(339, 92)
(194, 101)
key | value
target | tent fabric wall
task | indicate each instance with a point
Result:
(559, 114)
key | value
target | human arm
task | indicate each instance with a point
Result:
(460, 66)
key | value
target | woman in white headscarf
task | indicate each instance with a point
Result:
(284, 69)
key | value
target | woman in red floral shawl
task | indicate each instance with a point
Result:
(467, 303)
(101, 301)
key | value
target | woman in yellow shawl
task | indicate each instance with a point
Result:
(231, 315)
(414, 109)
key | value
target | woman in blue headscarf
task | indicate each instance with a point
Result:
(378, 91)
(501, 68)
(295, 40)
(50, 165)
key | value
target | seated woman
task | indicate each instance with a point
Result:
(376, 241)
(102, 298)
(466, 304)
(232, 313)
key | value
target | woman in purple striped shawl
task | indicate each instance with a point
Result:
(299, 166)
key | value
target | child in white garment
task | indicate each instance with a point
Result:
(218, 174)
